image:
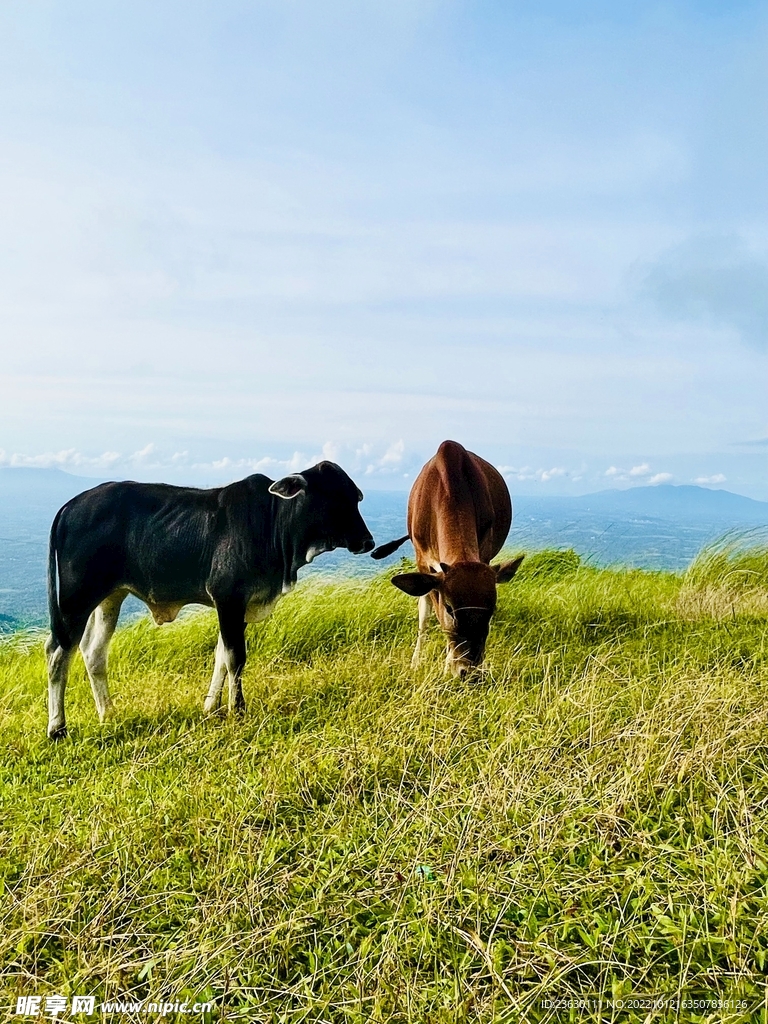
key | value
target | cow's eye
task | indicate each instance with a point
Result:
(449, 610)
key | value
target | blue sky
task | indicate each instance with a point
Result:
(238, 236)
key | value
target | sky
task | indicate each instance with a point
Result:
(242, 236)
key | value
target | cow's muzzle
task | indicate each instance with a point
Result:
(363, 547)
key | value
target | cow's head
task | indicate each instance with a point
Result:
(324, 514)
(464, 597)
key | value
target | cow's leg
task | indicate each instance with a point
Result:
(425, 607)
(95, 647)
(58, 658)
(217, 681)
(232, 630)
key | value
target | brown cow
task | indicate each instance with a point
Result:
(459, 515)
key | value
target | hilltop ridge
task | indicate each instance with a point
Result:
(689, 499)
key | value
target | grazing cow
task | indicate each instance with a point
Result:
(237, 548)
(459, 515)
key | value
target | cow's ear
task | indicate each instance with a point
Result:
(289, 486)
(505, 572)
(416, 584)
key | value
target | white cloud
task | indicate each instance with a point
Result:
(225, 463)
(526, 473)
(143, 457)
(390, 462)
(717, 478)
(393, 456)
(638, 474)
(330, 452)
(267, 465)
(149, 457)
(354, 460)
(620, 475)
(67, 459)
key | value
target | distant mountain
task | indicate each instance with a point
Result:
(655, 527)
(33, 476)
(678, 501)
(29, 482)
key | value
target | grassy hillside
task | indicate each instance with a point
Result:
(374, 844)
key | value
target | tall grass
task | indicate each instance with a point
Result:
(733, 571)
(376, 844)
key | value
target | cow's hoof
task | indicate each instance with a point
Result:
(239, 711)
(58, 732)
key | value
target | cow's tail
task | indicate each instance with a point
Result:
(387, 549)
(58, 629)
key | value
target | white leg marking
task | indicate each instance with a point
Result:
(217, 681)
(58, 668)
(425, 610)
(235, 683)
(95, 648)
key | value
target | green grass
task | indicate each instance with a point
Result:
(376, 844)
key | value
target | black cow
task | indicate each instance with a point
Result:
(237, 548)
